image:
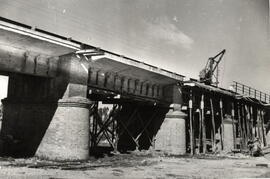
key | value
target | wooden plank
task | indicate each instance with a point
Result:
(244, 127)
(233, 126)
(213, 125)
(200, 131)
(203, 125)
(248, 122)
(258, 125)
(222, 124)
(239, 124)
(191, 124)
(262, 125)
(252, 123)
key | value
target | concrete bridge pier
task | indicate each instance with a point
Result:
(171, 138)
(67, 136)
(228, 135)
(48, 113)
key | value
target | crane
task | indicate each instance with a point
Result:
(207, 74)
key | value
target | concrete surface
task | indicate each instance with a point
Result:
(67, 137)
(171, 138)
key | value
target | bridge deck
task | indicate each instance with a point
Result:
(17, 38)
(134, 77)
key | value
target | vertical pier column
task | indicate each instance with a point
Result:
(228, 134)
(267, 137)
(171, 138)
(67, 137)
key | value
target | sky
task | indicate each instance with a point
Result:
(3, 87)
(177, 35)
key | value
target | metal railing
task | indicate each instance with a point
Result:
(251, 92)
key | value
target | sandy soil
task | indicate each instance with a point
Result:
(139, 165)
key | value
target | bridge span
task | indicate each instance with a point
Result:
(55, 84)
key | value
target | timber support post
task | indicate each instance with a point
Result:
(191, 133)
(222, 124)
(203, 124)
(233, 126)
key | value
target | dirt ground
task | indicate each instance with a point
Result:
(139, 165)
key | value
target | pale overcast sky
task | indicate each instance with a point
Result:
(178, 35)
(3, 87)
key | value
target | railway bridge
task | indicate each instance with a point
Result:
(57, 86)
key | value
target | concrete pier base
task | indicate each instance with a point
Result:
(67, 137)
(228, 135)
(268, 139)
(171, 138)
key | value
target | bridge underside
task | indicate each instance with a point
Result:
(47, 81)
(56, 87)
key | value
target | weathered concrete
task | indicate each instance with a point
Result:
(28, 109)
(171, 138)
(67, 137)
(24, 50)
(26, 62)
(268, 138)
(228, 135)
(32, 102)
(73, 76)
(69, 128)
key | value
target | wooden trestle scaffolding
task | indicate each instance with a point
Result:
(209, 107)
(102, 124)
(113, 128)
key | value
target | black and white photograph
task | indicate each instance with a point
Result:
(127, 89)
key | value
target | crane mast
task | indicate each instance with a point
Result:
(209, 75)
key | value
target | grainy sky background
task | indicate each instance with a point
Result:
(178, 35)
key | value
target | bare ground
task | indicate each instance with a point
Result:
(139, 165)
